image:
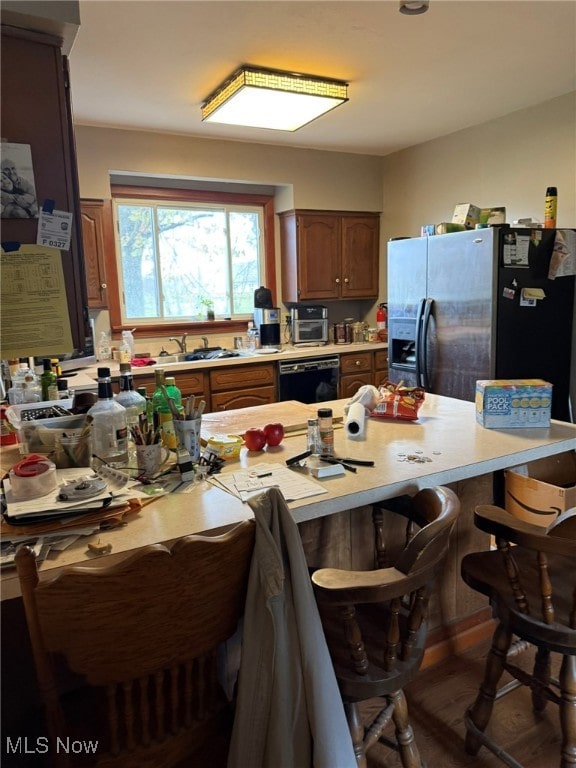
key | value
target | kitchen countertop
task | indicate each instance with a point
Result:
(286, 352)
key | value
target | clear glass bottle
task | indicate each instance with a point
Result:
(326, 431)
(104, 349)
(312, 437)
(110, 427)
(132, 401)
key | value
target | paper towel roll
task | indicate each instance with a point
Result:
(355, 420)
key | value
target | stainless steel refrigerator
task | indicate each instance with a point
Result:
(462, 307)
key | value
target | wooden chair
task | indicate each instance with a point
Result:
(531, 580)
(143, 635)
(375, 622)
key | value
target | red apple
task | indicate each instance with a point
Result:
(274, 434)
(254, 439)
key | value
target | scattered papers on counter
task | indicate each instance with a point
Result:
(249, 482)
(49, 505)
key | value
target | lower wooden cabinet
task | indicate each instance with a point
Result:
(242, 386)
(380, 367)
(356, 370)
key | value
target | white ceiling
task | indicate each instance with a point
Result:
(148, 64)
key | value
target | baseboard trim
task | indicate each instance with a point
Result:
(465, 633)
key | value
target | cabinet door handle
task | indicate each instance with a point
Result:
(346, 280)
(103, 287)
(358, 362)
(337, 280)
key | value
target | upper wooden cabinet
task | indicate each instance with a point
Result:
(98, 240)
(329, 255)
(36, 111)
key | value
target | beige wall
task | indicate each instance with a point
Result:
(509, 162)
(311, 178)
(302, 178)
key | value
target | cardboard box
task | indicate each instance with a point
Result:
(466, 214)
(539, 491)
(513, 403)
(493, 215)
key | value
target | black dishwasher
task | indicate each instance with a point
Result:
(309, 380)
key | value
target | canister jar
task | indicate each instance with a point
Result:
(348, 323)
(339, 333)
(372, 334)
(358, 333)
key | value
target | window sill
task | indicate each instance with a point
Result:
(197, 328)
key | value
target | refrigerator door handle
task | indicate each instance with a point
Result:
(417, 342)
(423, 351)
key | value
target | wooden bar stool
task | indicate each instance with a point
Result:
(531, 581)
(375, 622)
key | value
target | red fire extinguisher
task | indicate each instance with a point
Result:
(382, 322)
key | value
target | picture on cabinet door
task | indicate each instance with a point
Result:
(17, 182)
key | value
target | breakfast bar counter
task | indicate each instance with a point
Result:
(445, 446)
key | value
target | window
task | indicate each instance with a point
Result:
(186, 261)
(186, 256)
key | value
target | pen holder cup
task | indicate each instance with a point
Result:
(73, 449)
(151, 458)
(188, 436)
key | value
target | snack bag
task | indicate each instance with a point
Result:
(398, 402)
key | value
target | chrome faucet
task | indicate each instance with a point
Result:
(181, 342)
(205, 341)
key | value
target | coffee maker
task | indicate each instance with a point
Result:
(266, 318)
(267, 321)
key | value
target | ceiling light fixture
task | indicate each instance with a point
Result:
(413, 7)
(269, 98)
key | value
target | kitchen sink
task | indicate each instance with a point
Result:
(201, 353)
(165, 359)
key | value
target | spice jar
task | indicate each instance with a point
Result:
(326, 431)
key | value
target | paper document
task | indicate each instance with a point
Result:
(249, 482)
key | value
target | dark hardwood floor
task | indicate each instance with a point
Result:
(437, 701)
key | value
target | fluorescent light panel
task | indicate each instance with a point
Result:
(266, 98)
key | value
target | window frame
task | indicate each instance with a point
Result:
(174, 195)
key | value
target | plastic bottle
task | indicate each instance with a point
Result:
(25, 385)
(104, 348)
(326, 431)
(109, 428)
(173, 391)
(48, 381)
(126, 347)
(162, 413)
(550, 208)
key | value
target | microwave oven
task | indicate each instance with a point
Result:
(309, 324)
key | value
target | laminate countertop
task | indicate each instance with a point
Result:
(86, 378)
(445, 445)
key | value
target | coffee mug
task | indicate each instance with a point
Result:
(151, 458)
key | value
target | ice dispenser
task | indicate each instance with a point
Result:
(402, 350)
